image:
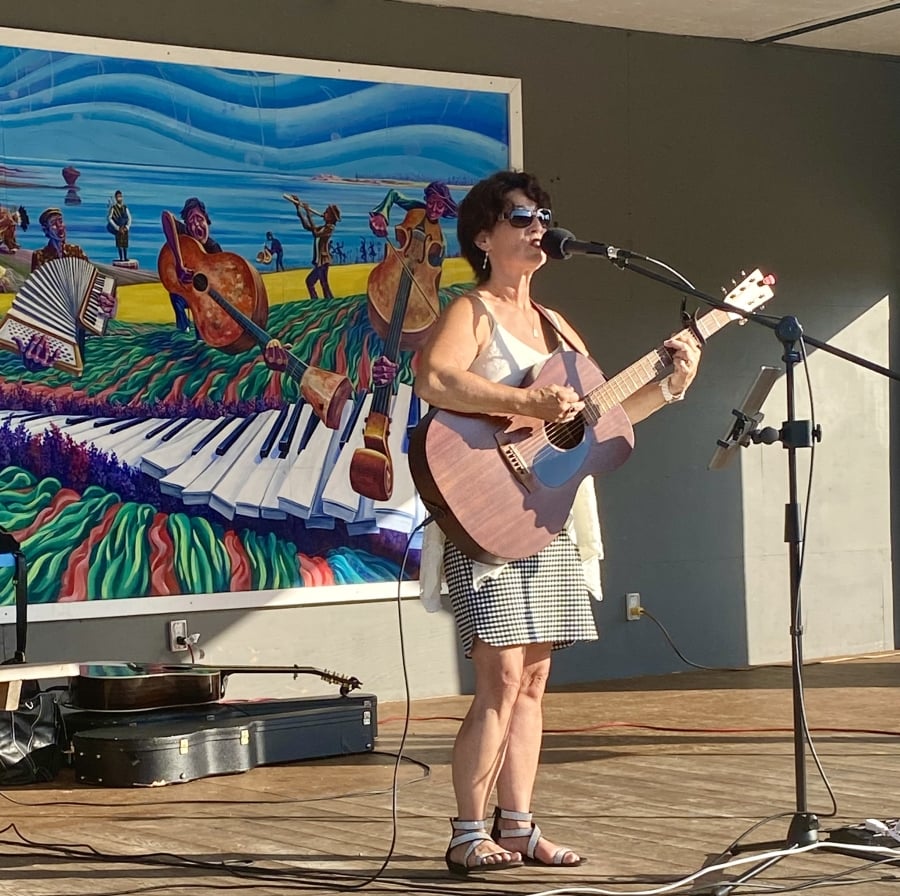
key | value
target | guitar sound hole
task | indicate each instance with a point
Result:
(565, 435)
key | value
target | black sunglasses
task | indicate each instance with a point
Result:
(521, 217)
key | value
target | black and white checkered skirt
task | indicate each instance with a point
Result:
(539, 599)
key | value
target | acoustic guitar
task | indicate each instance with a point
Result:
(135, 686)
(501, 488)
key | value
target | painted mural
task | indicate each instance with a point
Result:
(214, 276)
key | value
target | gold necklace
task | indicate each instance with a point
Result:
(535, 317)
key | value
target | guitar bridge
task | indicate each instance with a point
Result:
(516, 463)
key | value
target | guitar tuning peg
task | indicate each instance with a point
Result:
(724, 291)
(743, 274)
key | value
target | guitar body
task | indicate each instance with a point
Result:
(501, 488)
(127, 686)
(232, 277)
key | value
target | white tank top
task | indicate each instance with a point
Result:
(506, 359)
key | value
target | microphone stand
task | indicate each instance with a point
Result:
(794, 434)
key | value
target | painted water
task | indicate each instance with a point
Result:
(242, 207)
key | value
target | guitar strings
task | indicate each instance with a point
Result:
(547, 436)
(550, 433)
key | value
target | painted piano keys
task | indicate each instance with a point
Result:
(276, 464)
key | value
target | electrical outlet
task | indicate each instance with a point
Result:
(178, 634)
(633, 606)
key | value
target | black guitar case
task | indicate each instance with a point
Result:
(142, 749)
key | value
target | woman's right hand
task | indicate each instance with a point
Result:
(555, 404)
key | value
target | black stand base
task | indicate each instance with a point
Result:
(803, 831)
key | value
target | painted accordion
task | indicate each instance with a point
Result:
(59, 301)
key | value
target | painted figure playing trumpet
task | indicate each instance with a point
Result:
(321, 260)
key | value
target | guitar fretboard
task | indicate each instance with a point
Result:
(645, 370)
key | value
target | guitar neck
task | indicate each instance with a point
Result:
(405, 287)
(331, 677)
(382, 395)
(645, 370)
(295, 367)
(381, 400)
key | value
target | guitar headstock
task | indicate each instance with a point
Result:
(751, 293)
(347, 683)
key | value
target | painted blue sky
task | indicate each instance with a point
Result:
(77, 107)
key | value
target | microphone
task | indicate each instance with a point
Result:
(561, 244)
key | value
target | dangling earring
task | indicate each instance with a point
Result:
(484, 263)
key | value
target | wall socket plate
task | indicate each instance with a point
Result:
(178, 629)
(633, 606)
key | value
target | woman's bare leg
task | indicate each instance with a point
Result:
(481, 743)
(515, 783)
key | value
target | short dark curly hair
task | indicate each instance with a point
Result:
(190, 205)
(481, 209)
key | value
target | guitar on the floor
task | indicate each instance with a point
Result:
(135, 686)
(501, 487)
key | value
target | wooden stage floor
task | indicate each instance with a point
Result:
(652, 778)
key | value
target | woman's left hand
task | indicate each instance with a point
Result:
(685, 361)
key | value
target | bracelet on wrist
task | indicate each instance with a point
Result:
(668, 395)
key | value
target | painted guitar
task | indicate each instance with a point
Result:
(327, 392)
(230, 308)
(133, 686)
(501, 487)
(232, 276)
(403, 276)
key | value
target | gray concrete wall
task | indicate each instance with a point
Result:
(712, 156)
